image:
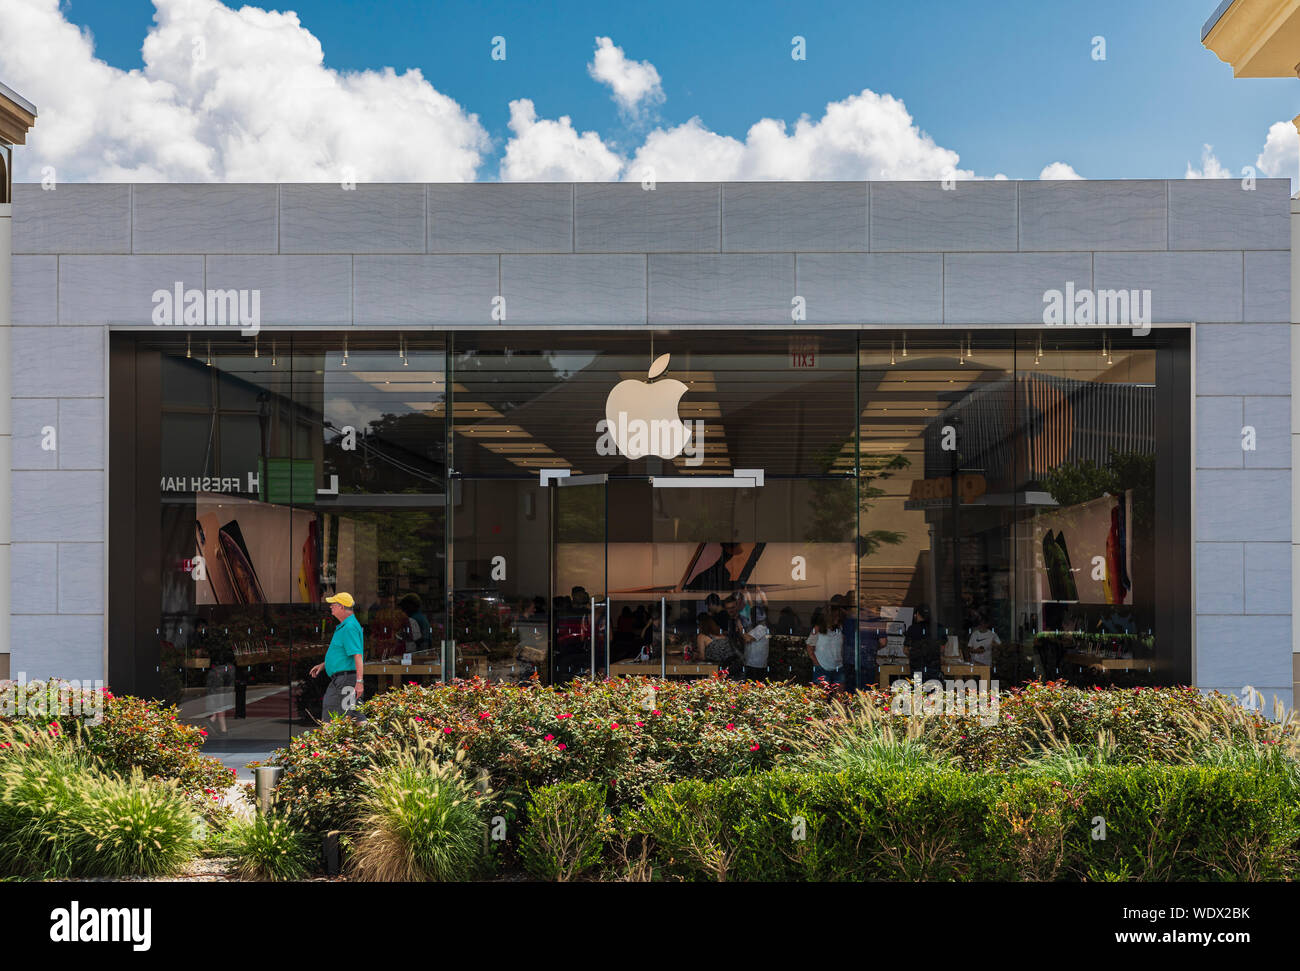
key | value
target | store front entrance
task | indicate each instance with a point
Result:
(630, 575)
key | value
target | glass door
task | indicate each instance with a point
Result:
(580, 646)
(499, 578)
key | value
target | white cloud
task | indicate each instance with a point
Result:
(1211, 167)
(863, 136)
(1059, 171)
(258, 104)
(1281, 156)
(635, 85)
(553, 151)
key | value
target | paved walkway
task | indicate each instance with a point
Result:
(239, 762)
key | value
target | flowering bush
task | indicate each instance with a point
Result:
(1167, 725)
(131, 733)
(625, 734)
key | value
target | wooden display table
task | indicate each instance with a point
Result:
(894, 667)
(957, 669)
(1104, 663)
(674, 668)
(393, 673)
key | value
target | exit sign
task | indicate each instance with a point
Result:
(803, 352)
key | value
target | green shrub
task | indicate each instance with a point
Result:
(268, 848)
(1166, 725)
(61, 816)
(130, 826)
(723, 830)
(129, 733)
(568, 825)
(420, 820)
(860, 737)
(626, 734)
(1186, 823)
(922, 824)
(39, 793)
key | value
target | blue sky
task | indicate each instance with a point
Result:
(1010, 86)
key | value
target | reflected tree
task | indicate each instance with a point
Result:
(836, 506)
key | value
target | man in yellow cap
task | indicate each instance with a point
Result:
(344, 660)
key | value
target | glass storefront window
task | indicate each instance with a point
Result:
(880, 503)
(1009, 505)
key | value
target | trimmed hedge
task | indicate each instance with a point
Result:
(937, 824)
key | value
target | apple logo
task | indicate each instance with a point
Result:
(642, 417)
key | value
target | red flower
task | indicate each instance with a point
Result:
(640, 724)
(549, 738)
(202, 732)
(613, 724)
(754, 747)
(561, 746)
(731, 727)
(446, 731)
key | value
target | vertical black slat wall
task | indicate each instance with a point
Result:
(1173, 510)
(134, 526)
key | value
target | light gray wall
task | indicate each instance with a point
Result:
(88, 257)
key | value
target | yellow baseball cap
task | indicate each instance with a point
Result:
(342, 599)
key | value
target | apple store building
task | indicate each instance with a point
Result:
(557, 431)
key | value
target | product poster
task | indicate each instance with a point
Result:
(1083, 552)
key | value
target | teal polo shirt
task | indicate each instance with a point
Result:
(344, 645)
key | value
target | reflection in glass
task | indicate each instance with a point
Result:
(946, 504)
(1024, 506)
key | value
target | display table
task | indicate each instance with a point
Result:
(892, 667)
(392, 674)
(967, 669)
(1103, 663)
(691, 669)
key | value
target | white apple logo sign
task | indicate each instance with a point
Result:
(642, 417)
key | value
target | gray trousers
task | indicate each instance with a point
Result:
(341, 696)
